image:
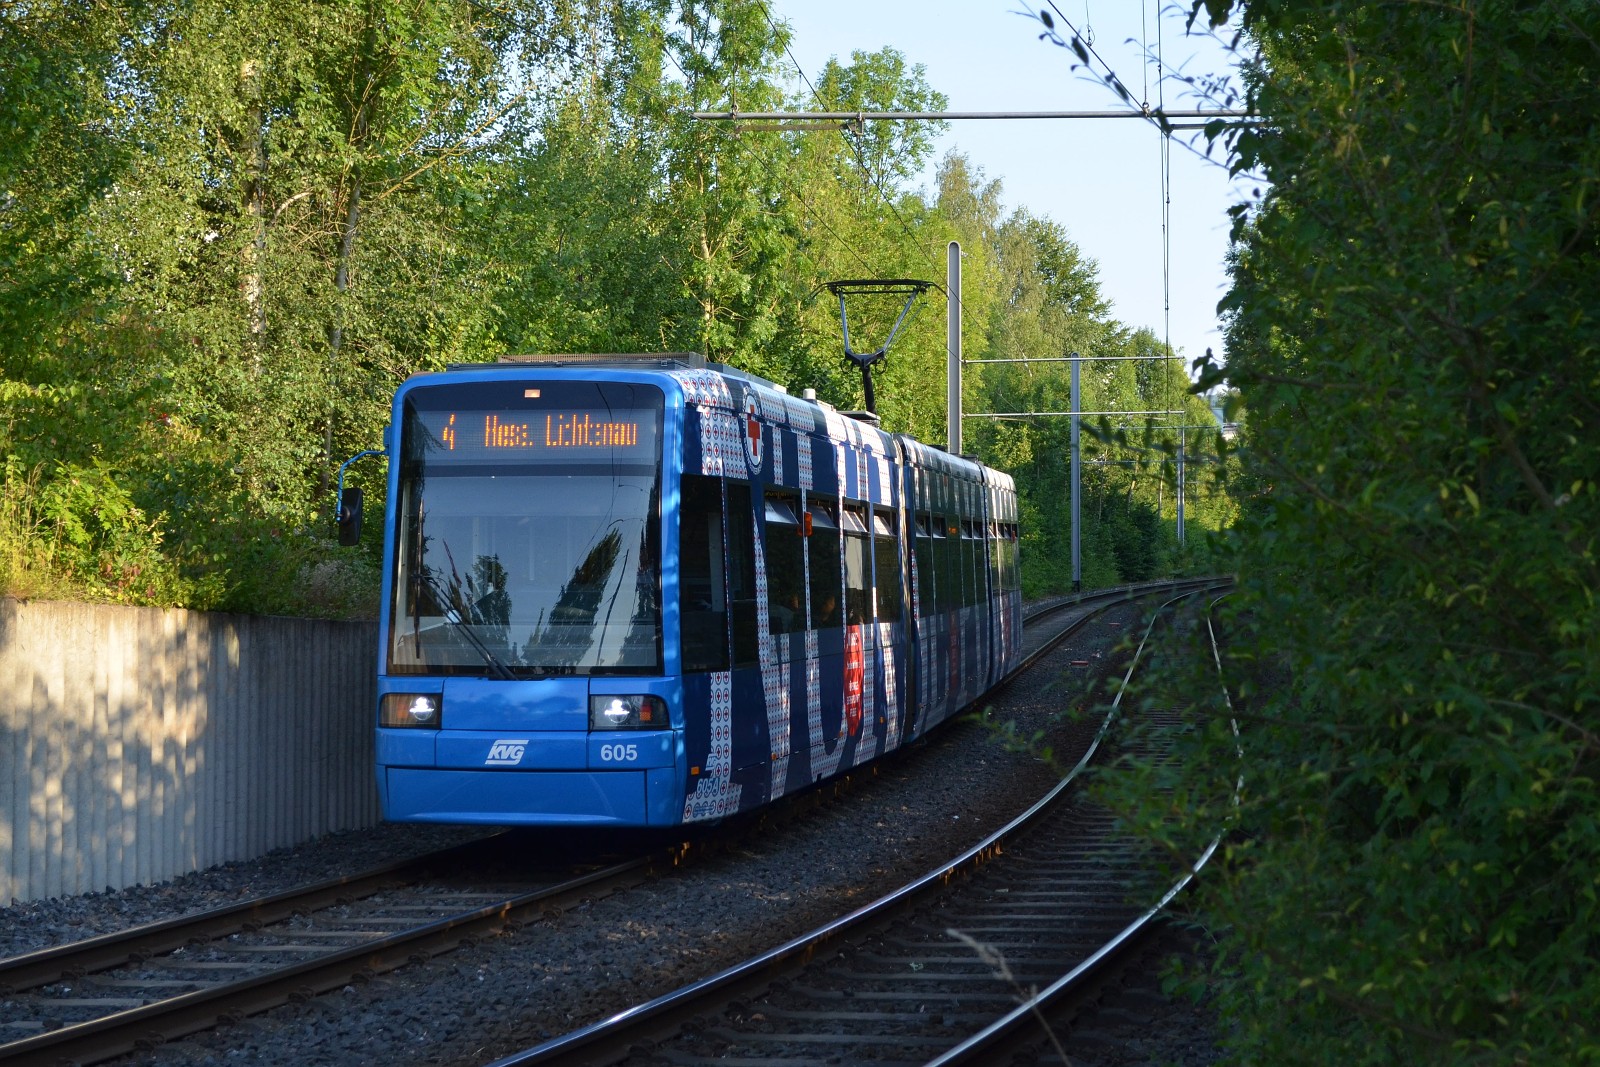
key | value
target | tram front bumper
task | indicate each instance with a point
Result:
(650, 797)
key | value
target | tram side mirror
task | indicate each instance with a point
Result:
(350, 517)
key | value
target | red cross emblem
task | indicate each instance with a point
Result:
(752, 430)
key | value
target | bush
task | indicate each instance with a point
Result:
(1417, 634)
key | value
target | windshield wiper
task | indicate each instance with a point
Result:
(452, 615)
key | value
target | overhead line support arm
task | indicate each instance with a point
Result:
(953, 116)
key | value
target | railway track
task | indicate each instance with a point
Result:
(938, 972)
(96, 999)
(93, 1000)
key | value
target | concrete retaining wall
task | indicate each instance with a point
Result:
(137, 744)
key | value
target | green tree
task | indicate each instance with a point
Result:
(1411, 327)
(275, 247)
(226, 236)
(574, 220)
(862, 221)
(73, 388)
(730, 222)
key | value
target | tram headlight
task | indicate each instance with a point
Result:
(410, 709)
(632, 712)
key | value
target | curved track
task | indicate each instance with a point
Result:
(933, 972)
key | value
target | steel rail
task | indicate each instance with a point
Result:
(983, 1045)
(611, 1039)
(1116, 593)
(188, 1013)
(78, 958)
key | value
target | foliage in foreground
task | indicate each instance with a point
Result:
(1413, 874)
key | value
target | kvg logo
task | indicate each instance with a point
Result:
(506, 752)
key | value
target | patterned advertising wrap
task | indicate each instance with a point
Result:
(779, 667)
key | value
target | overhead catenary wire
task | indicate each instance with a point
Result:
(737, 116)
(816, 214)
(1159, 116)
(817, 120)
(855, 149)
(1166, 201)
(798, 69)
(766, 13)
(857, 119)
(860, 159)
(1164, 164)
(1144, 35)
(1088, 44)
(817, 96)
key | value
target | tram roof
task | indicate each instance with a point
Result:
(621, 361)
(930, 455)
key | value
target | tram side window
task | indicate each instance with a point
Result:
(886, 566)
(958, 584)
(980, 565)
(742, 575)
(948, 548)
(1013, 571)
(1016, 556)
(857, 565)
(1013, 560)
(949, 578)
(925, 604)
(786, 574)
(1002, 563)
(997, 556)
(961, 576)
(822, 550)
(971, 560)
(963, 563)
(702, 586)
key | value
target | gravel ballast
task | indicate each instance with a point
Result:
(478, 1003)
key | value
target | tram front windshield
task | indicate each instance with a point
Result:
(528, 533)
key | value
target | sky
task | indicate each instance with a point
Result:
(1099, 178)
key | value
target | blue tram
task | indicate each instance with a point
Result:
(649, 590)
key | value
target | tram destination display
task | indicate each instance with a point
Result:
(541, 429)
